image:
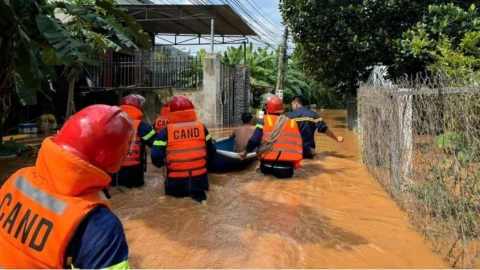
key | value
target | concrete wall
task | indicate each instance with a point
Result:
(210, 96)
(154, 102)
(208, 101)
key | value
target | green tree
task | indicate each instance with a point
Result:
(339, 42)
(263, 65)
(447, 40)
(33, 40)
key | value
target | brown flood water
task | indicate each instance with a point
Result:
(332, 214)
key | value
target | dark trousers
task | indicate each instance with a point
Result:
(279, 169)
(129, 176)
(195, 188)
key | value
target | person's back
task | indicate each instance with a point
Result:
(131, 175)
(278, 140)
(162, 120)
(308, 122)
(184, 147)
(243, 133)
(56, 214)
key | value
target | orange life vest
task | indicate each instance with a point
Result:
(288, 143)
(134, 157)
(160, 123)
(37, 222)
(186, 150)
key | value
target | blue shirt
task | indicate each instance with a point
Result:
(146, 132)
(99, 241)
(256, 138)
(160, 145)
(308, 122)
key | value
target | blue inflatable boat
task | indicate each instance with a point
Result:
(226, 159)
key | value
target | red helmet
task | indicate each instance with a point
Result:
(133, 100)
(101, 135)
(274, 105)
(180, 103)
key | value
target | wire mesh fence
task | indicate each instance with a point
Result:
(128, 71)
(420, 140)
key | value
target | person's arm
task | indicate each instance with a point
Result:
(99, 242)
(211, 149)
(147, 133)
(330, 134)
(232, 136)
(320, 125)
(158, 148)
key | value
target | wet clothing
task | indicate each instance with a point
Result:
(186, 148)
(308, 122)
(286, 152)
(131, 173)
(58, 220)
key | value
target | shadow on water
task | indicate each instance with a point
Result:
(340, 118)
(335, 154)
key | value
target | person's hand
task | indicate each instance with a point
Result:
(242, 154)
(339, 139)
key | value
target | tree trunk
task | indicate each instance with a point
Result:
(70, 101)
(1, 132)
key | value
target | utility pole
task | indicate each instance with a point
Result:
(282, 64)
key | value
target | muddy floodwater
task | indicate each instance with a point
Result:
(331, 214)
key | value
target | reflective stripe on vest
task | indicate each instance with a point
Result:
(186, 150)
(36, 224)
(40, 197)
(134, 157)
(288, 143)
(160, 123)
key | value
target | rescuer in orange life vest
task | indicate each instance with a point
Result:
(131, 174)
(56, 214)
(285, 153)
(186, 145)
(162, 121)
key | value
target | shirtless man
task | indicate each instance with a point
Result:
(243, 133)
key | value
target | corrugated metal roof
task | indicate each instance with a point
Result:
(134, 2)
(189, 19)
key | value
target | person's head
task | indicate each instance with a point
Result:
(133, 100)
(247, 118)
(274, 105)
(181, 110)
(180, 103)
(99, 134)
(297, 101)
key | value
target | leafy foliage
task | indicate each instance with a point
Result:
(339, 42)
(263, 65)
(33, 40)
(447, 39)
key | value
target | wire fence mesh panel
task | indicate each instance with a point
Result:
(420, 140)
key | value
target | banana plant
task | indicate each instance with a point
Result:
(33, 40)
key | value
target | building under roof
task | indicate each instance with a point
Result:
(218, 23)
